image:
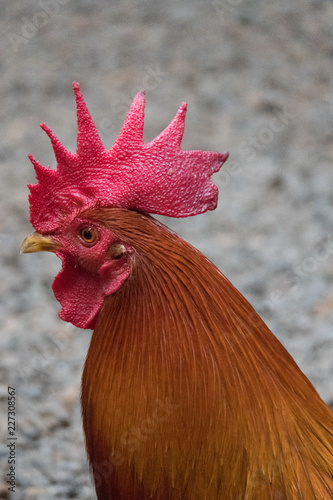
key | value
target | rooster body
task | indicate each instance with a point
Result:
(186, 394)
(203, 402)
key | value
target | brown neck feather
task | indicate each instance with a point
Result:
(185, 385)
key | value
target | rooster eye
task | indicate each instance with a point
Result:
(88, 236)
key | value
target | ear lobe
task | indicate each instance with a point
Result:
(113, 274)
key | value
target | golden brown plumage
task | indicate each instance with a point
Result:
(186, 394)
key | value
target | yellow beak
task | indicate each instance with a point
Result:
(35, 242)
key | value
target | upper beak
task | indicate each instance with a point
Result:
(35, 242)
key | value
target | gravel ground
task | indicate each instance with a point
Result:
(257, 76)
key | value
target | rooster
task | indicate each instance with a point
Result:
(186, 393)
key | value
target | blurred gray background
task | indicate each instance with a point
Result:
(257, 76)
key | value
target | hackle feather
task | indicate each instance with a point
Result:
(186, 394)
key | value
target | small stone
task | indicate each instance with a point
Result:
(34, 492)
(70, 397)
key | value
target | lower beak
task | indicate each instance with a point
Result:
(35, 242)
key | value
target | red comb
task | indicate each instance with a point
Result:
(157, 177)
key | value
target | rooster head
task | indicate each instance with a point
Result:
(156, 177)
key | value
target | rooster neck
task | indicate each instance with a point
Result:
(178, 318)
(181, 366)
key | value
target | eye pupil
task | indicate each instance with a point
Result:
(87, 235)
